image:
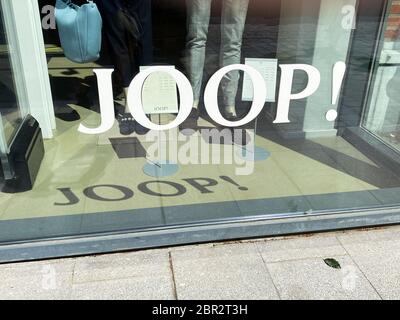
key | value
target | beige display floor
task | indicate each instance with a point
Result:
(77, 161)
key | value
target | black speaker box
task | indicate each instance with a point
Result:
(25, 157)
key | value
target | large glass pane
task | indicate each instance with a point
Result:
(206, 171)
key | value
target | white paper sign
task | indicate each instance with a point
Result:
(269, 70)
(159, 94)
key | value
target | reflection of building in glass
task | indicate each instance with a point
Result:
(384, 113)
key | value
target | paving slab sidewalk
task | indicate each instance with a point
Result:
(293, 267)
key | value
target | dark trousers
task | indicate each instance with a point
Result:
(126, 62)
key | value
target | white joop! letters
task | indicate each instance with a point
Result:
(135, 98)
(285, 91)
(106, 100)
(210, 96)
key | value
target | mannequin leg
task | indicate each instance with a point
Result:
(115, 34)
(144, 12)
(198, 20)
(141, 9)
(121, 58)
(234, 15)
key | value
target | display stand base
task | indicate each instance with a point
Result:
(257, 154)
(160, 169)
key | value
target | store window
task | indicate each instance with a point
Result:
(312, 84)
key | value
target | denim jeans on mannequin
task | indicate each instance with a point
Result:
(234, 14)
(126, 64)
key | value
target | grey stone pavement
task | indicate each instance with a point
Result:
(273, 268)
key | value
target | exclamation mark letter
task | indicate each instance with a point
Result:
(227, 179)
(339, 71)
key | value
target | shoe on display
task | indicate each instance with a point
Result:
(189, 126)
(231, 116)
(194, 114)
(140, 130)
(126, 124)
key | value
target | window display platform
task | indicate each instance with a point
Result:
(80, 177)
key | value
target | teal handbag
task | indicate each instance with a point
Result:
(79, 28)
